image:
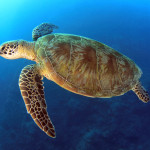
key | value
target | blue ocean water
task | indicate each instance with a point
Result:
(81, 123)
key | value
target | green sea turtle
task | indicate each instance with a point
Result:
(78, 64)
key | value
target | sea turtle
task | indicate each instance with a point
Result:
(78, 64)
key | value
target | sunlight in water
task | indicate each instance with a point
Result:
(8, 9)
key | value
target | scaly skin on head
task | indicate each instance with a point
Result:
(18, 49)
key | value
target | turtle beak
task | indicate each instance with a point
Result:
(1, 50)
(4, 50)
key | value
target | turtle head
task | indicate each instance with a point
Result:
(9, 50)
(18, 49)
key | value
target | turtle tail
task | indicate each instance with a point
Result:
(140, 91)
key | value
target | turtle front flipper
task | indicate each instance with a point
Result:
(43, 29)
(32, 90)
(141, 92)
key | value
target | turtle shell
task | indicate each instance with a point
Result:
(85, 66)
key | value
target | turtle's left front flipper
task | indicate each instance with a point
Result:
(32, 91)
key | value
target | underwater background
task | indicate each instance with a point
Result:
(81, 123)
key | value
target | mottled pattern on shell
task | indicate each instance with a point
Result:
(85, 66)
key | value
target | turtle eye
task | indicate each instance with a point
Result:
(2, 50)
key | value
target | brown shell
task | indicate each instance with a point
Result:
(85, 66)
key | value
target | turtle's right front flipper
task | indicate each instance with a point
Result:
(32, 91)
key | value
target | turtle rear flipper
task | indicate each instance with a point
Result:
(32, 91)
(141, 92)
(43, 29)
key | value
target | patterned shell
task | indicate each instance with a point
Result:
(85, 66)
